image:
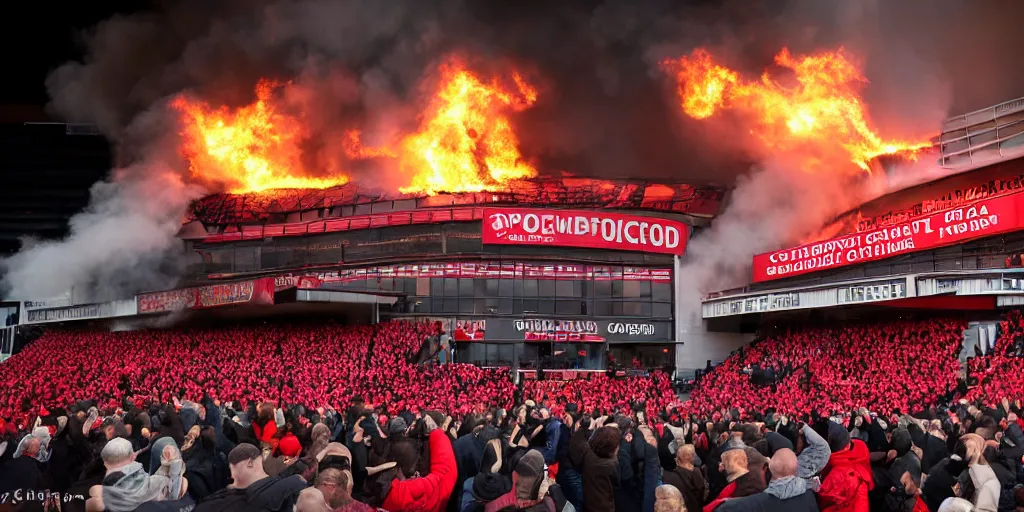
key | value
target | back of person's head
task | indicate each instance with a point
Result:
(783, 463)
(956, 505)
(901, 441)
(668, 499)
(246, 465)
(311, 499)
(334, 486)
(734, 461)
(605, 442)
(686, 454)
(117, 452)
(32, 446)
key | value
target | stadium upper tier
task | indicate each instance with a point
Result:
(285, 206)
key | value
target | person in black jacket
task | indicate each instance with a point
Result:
(253, 490)
(205, 471)
(598, 461)
(687, 478)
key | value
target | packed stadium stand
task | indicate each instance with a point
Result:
(883, 366)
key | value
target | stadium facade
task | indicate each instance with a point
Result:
(561, 273)
(955, 243)
(552, 273)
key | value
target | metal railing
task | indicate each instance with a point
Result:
(983, 136)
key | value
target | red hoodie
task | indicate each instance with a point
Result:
(429, 493)
(847, 480)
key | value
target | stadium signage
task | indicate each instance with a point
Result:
(594, 230)
(84, 312)
(576, 331)
(257, 291)
(983, 218)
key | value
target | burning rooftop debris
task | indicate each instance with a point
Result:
(819, 112)
(465, 141)
(251, 149)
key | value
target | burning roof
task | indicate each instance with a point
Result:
(703, 201)
(464, 141)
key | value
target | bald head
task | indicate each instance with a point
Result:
(734, 464)
(32, 447)
(783, 464)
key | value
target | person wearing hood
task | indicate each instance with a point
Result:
(206, 471)
(787, 491)
(171, 485)
(903, 475)
(984, 485)
(127, 485)
(487, 485)
(847, 478)
(531, 489)
(468, 450)
(252, 489)
(24, 470)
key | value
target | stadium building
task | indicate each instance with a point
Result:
(952, 244)
(560, 274)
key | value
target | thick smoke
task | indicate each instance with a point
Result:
(604, 109)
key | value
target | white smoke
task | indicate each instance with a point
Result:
(124, 239)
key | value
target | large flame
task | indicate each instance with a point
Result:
(466, 142)
(822, 108)
(250, 149)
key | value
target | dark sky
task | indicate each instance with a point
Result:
(44, 35)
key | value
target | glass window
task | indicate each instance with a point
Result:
(564, 289)
(511, 288)
(631, 289)
(631, 308)
(491, 288)
(547, 306)
(568, 307)
(422, 286)
(603, 289)
(451, 287)
(449, 305)
(530, 306)
(645, 288)
(603, 308)
(616, 289)
(529, 288)
(466, 287)
(505, 306)
(662, 291)
(436, 286)
(662, 310)
(466, 306)
(546, 288)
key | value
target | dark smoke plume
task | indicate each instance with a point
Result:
(604, 110)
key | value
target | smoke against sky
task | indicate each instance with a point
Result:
(603, 110)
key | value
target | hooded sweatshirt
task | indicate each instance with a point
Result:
(986, 488)
(847, 480)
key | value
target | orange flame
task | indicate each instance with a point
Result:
(824, 107)
(466, 142)
(254, 148)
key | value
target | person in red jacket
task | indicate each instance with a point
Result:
(847, 477)
(429, 493)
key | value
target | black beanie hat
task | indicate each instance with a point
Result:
(488, 487)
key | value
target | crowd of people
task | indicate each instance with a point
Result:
(885, 366)
(874, 416)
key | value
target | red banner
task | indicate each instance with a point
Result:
(256, 291)
(977, 220)
(577, 228)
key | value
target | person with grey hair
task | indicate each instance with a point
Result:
(787, 491)
(956, 505)
(126, 484)
(24, 471)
